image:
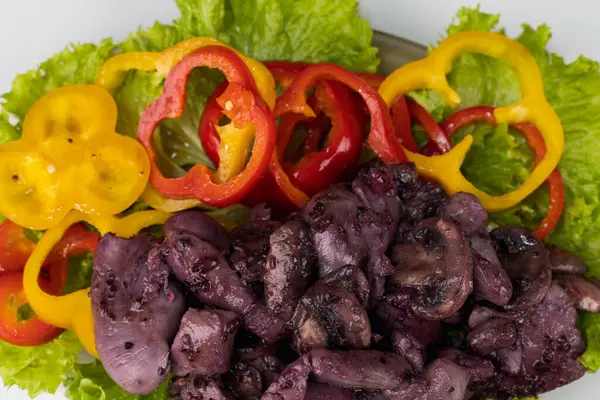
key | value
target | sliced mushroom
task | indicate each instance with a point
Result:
(330, 316)
(525, 259)
(289, 268)
(436, 266)
(244, 381)
(479, 369)
(565, 262)
(204, 343)
(585, 292)
(291, 384)
(136, 312)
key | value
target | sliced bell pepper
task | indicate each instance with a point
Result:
(31, 330)
(438, 139)
(70, 157)
(430, 73)
(15, 249)
(556, 187)
(402, 124)
(241, 104)
(381, 138)
(74, 311)
(113, 73)
(318, 170)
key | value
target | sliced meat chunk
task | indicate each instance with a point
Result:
(565, 262)
(200, 225)
(525, 259)
(466, 211)
(194, 387)
(585, 292)
(136, 310)
(290, 267)
(204, 343)
(250, 244)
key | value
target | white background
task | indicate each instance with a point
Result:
(32, 30)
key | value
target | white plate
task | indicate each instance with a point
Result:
(32, 30)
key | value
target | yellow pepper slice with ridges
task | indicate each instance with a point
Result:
(70, 157)
(430, 73)
(74, 311)
(235, 141)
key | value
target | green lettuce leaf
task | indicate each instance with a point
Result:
(91, 382)
(41, 368)
(590, 326)
(499, 160)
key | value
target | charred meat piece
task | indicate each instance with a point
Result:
(204, 343)
(352, 279)
(490, 280)
(435, 267)
(442, 380)
(565, 262)
(479, 369)
(244, 381)
(585, 292)
(360, 369)
(250, 248)
(200, 225)
(493, 334)
(291, 384)
(206, 274)
(194, 387)
(466, 211)
(289, 269)
(545, 354)
(393, 312)
(410, 349)
(136, 312)
(322, 391)
(329, 316)
(333, 218)
(377, 188)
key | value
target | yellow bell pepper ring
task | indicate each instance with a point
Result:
(74, 311)
(430, 73)
(70, 157)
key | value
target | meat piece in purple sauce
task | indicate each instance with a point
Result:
(289, 269)
(250, 244)
(352, 279)
(322, 391)
(490, 281)
(545, 354)
(206, 274)
(244, 381)
(204, 343)
(435, 267)
(200, 225)
(136, 310)
(466, 211)
(195, 387)
(525, 259)
(478, 368)
(410, 349)
(565, 262)
(442, 380)
(393, 313)
(585, 292)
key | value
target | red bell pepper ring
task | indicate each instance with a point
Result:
(316, 171)
(15, 249)
(239, 102)
(535, 140)
(382, 138)
(438, 139)
(403, 125)
(209, 137)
